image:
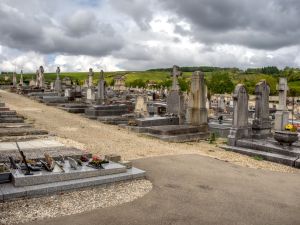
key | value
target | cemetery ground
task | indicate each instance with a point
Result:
(193, 182)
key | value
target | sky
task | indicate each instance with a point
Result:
(142, 34)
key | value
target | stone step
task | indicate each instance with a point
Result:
(21, 131)
(9, 191)
(104, 112)
(14, 125)
(22, 138)
(10, 112)
(182, 137)
(273, 157)
(4, 109)
(11, 120)
(268, 147)
(174, 129)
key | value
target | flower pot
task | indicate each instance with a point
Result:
(286, 137)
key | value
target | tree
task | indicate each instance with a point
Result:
(220, 83)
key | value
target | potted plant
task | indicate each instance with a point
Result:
(288, 136)
(5, 175)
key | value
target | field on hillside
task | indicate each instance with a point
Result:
(219, 81)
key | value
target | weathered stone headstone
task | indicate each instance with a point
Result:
(68, 92)
(240, 127)
(282, 114)
(21, 79)
(90, 78)
(41, 77)
(90, 92)
(261, 126)
(197, 111)
(57, 85)
(141, 108)
(14, 79)
(175, 99)
(101, 89)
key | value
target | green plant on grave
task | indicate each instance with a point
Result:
(258, 158)
(212, 138)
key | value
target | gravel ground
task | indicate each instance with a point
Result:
(26, 210)
(95, 137)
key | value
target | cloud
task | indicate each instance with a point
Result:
(79, 32)
(140, 34)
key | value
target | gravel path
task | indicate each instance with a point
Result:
(26, 210)
(104, 139)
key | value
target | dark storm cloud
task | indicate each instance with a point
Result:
(269, 24)
(77, 32)
(140, 11)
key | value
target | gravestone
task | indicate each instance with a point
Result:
(141, 108)
(21, 79)
(261, 125)
(90, 93)
(240, 127)
(197, 111)
(101, 89)
(57, 84)
(41, 77)
(175, 99)
(14, 79)
(68, 92)
(282, 114)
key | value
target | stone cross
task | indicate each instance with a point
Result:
(197, 111)
(240, 125)
(282, 88)
(175, 74)
(282, 114)
(90, 78)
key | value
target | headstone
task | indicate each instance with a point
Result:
(101, 89)
(197, 111)
(41, 77)
(14, 79)
(68, 92)
(90, 92)
(261, 125)
(282, 114)
(21, 79)
(57, 85)
(175, 99)
(90, 78)
(141, 108)
(240, 127)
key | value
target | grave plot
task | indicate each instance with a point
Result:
(280, 145)
(43, 166)
(180, 123)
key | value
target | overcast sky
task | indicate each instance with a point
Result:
(143, 34)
